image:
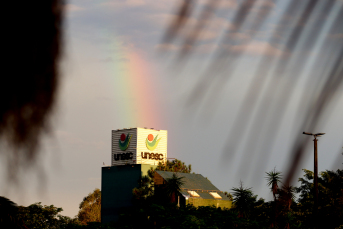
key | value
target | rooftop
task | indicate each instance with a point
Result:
(195, 182)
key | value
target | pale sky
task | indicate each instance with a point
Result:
(114, 77)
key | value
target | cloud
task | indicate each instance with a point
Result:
(167, 47)
(103, 98)
(199, 49)
(123, 60)
(214, 23)
(207, 48)
(150, 4)
(224, 4)
(265, 4)
(72, 8)
(136, 3)
(211, 28)
(110, 59)
(337, 36)
(240, 36)
(106, 60)
(257, 48)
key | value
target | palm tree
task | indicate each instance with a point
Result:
(286, 197)
(274, 178)
(173, 186)
(243, 200)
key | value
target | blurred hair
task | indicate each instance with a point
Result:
(30, 77)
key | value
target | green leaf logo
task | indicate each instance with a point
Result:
(124, 141)
(151, 142)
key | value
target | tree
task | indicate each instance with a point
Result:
(173, 186)
(244, 200)
(274, 178)
(146, 183)
(174, 166)
(37, 216)
(286, 198)
(228, 195)
(330, 187)
(90, 208)
(146, 186)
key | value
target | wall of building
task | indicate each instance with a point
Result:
(209, 202)
(137, 151)
(161, 148)
(116, 188)
(131, 149)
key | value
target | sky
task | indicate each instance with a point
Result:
(117, 72)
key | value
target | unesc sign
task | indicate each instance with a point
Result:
(139, 146)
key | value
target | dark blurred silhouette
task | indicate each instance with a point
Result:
(307, 45)
(9, 215)
(30, 78)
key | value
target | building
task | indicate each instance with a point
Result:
(139, 146)
(134, 152)
(196, 190)
(117, 183)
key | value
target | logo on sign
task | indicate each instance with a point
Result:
(151, 142)
(124, 141)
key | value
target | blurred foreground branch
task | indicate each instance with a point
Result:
(298, 43)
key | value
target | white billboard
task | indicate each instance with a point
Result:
(139, 146)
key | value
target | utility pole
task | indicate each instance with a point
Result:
(315, 178)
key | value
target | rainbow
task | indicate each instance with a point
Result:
(135, 88)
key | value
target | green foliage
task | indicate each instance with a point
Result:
(173, 186)
(248, 211)
(286, 196)
(285, 211)
(244, 201)
(146, 186)
(174, 166)
(330, 196)
(146, 189)
(228, 195)
(171, 216)
(37, 216)
(90, 208)
(274, 178)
